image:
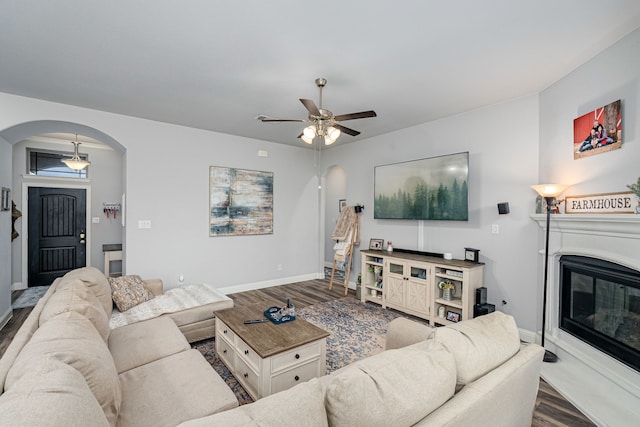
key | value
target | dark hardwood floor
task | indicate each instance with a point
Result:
(551, 410)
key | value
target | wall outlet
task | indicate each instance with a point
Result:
(95, 220)
(495, 229)
(146, 223)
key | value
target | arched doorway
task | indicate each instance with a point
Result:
(104, 183)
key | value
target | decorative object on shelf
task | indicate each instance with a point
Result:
(75, 162)
(240, 202)
(549, 192)
(4, 201)
(448, 256)
(389, 246)
(441, 311)
(608, 203)
(636, 190)
(376, 244)
(598, 131)
(448, 289)
(471, 254)
(342, 203)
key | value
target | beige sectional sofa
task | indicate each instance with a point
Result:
(474, 373)
(65, 368)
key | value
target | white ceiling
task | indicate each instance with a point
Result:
(218, 65)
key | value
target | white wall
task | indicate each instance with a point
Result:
(166, 182)
(614, 74)
(502, 141)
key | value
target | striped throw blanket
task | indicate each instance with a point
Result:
(173, 300)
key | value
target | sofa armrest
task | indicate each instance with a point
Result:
(403, 332)
(154, 286)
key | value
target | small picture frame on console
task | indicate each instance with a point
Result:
(452, 316)
(376, 244)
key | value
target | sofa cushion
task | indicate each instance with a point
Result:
(144, 342)
(72, 339)
(172, 390)
(393, 388)
(128, 291)
(51, 394)
(97, 283)
(481, 344)
(74, 295)
(301, 405)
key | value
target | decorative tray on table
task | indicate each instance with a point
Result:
(280, 315)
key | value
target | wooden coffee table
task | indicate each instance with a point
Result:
(267, 358)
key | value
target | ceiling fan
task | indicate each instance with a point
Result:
(322, 122)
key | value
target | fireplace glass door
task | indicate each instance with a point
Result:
(600, 304)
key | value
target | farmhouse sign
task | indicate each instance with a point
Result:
(611, 203)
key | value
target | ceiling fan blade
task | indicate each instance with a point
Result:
(311, 107)
(352, 116)
(281, 120)
(346, 130)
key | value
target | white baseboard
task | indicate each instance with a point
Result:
(269, 283)
(527, 336)
(18, 286)
(6, 316)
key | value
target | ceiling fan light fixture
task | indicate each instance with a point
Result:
(310, 132)
(331, 135)
(307, 140)
(75, 162)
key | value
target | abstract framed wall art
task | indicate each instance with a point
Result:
(598, 131)
(240, 202)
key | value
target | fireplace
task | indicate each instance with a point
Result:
(591, 375)
(600, 305)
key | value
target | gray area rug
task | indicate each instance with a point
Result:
(357, 331)
(29, 297)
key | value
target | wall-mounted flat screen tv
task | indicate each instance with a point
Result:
(435, 188)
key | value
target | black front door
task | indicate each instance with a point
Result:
(57, 240)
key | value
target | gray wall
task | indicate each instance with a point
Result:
(5, 237)
(502, 141)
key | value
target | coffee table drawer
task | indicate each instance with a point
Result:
(224, 331)
(225, 352)
(250, 356)
(296, 356)
(297, 375)
(248, 377)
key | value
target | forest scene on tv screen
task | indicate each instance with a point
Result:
(435, 188)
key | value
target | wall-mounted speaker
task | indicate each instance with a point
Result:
(503, 208)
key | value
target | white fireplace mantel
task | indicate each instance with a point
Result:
(603, 388)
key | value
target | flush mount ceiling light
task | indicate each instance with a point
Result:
(322, 123)
(75, 162)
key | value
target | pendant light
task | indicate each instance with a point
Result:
(75, 162)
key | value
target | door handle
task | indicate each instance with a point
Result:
(82, 236)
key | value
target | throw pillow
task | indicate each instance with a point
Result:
(128, 291)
